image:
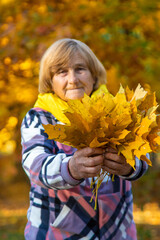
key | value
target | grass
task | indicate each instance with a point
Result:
(11, 235)
(12, 224)
(148, 232)
(12, 228)
(144, 233)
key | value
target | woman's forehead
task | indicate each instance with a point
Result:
(76, 59)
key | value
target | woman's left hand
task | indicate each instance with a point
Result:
(115, 163)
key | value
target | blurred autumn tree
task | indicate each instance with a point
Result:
(123, 34)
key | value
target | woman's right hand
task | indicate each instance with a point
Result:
(86, 162)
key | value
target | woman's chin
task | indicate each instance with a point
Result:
(74, 95)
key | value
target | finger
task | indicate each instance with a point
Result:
(115, 164)
(111, 150)
(94, 152)
(121, 170)
(114, 157)
(112, 165)
(91, 171)
(110, 170)
(93, 161)
(89, 152)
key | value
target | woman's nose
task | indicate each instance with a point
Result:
(72, 77)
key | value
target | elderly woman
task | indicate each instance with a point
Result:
(60, 175)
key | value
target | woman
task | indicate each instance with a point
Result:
(60, 175)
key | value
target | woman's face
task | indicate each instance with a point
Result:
(74, 80)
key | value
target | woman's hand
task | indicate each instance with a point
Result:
(115, 163)
(86, 162)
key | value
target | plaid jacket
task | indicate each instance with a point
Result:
(60, 206)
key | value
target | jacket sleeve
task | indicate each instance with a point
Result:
(45, 164)
(140, 169)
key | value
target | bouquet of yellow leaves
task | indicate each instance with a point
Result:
(126, 121)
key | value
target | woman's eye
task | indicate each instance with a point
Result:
(80, 69)
(62, 71)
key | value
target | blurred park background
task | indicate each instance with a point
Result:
(125, 35)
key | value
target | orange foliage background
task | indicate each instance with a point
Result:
(123, 34)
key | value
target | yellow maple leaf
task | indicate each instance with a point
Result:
(122, 134)
(148, 161)
(157, 140)
(151, 113)
(126, 121)
(128, 154)
(58, 133)
(143, 150)
(149, 102)
(129, 94)
(143, 128)
(96, 143)
(139, 93)
(103, 118)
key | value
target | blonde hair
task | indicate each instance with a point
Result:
(59, 54)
